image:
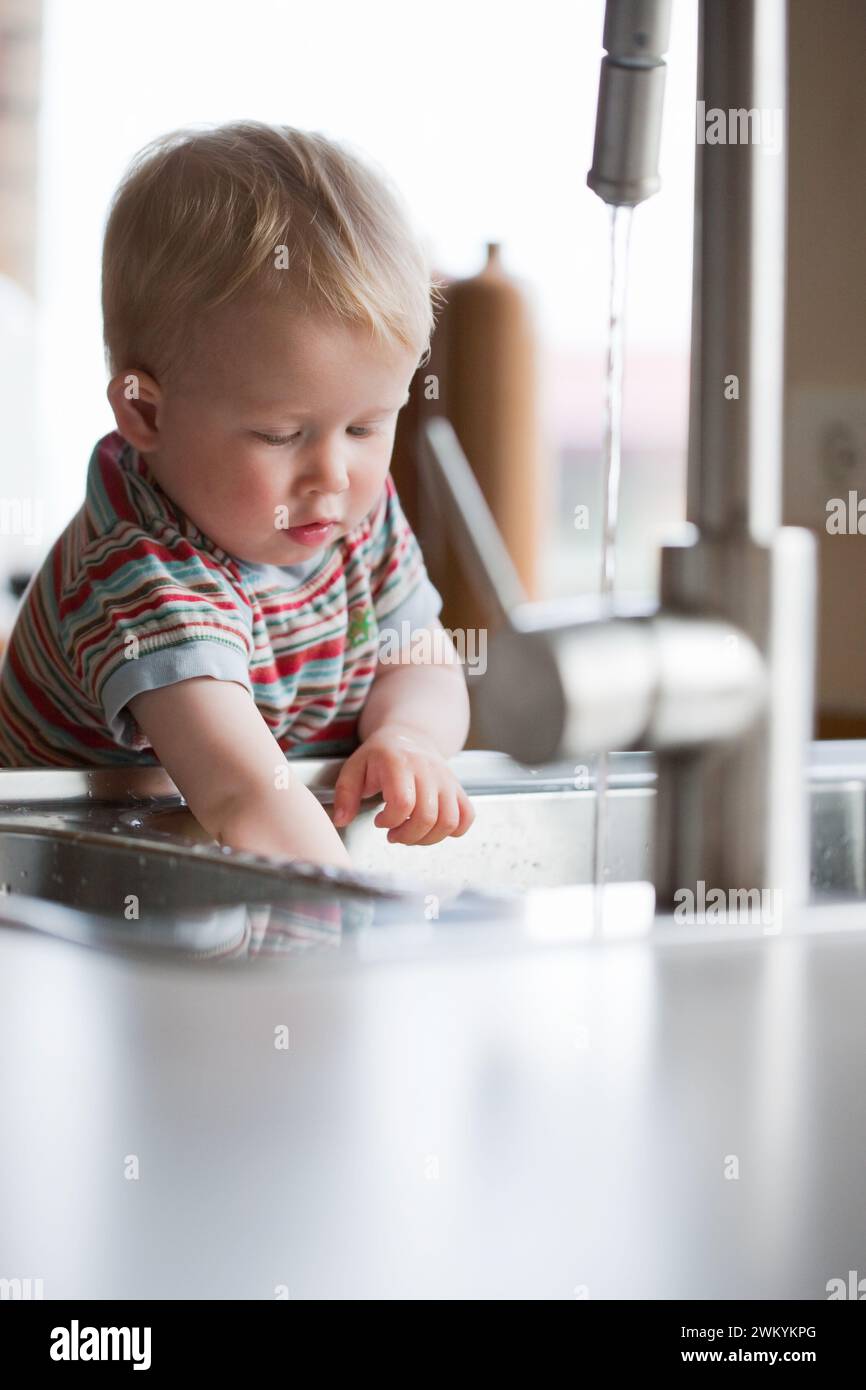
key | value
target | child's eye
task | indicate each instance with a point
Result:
(277, 438)
(357, 432)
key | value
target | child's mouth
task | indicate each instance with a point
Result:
(314, 534)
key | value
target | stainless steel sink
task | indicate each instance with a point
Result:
(113, 856)
(534, 828)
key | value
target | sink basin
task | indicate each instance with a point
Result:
(534, 829)
(521, 838)
(104, 856)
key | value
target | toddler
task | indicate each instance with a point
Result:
(217, 604)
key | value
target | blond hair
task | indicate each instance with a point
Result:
(200, 216)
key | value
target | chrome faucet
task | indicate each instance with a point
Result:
(718, 679)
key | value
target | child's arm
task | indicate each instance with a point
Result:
(416, 716)
(429, 699)
(219, 752)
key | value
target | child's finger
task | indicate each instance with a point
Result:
(398, 792)
(446, 822)
(467, 813)
(348, 788)
(423, 818)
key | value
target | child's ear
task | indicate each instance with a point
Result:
(135, 398)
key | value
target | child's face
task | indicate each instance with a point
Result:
(284, 420)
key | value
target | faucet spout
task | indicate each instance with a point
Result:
(630, 99)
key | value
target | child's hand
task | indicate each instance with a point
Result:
(424, 802)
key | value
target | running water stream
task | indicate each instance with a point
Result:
(620, 229)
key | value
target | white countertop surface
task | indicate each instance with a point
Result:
(553, 1121)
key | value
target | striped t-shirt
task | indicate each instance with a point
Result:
(132, 596)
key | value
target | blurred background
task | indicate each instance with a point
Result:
(483, 116)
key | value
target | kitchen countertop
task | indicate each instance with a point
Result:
(520, 1113)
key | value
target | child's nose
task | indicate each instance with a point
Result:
(327, 470)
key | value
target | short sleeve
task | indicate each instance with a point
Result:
(142, 613)
(400, 586)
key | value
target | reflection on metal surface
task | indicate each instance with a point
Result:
(568, 914)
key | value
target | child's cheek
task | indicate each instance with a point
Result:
(251, 498)
(367, 486)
